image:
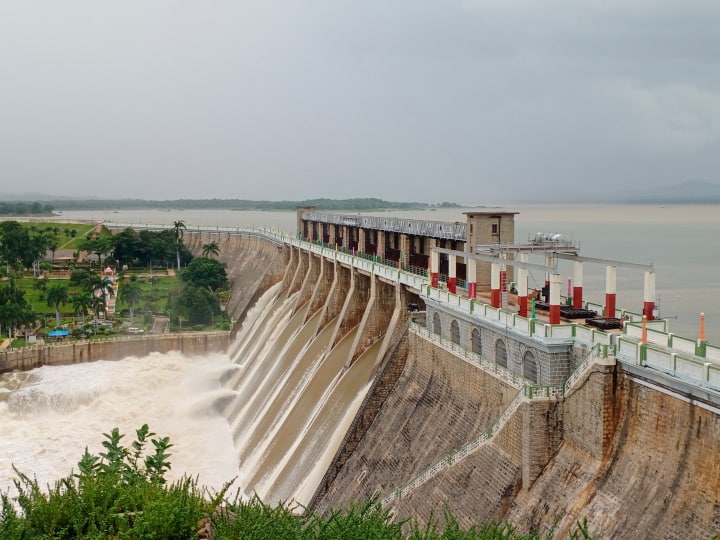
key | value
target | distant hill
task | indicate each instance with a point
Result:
(356, 205)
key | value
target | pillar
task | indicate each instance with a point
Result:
(577, 285)
(522, 287)
(346, 240)
(555, 282)
(495, 285)
(332, 234)
(434, 268)
(610, 290)
(362, 240)
(452, 273)
(381, 244)
(405, 243)
(548, 262)
(472, 278)
(649, 295)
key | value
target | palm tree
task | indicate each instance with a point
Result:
(179, 228)
(131, 293)
(100, 285)
(210, 249)
(56, 295)
(98, 305)
(81, 303)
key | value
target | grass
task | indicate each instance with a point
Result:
(156, 291)
(66, 240)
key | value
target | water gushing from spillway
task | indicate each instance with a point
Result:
(296, 400)
(49, 415)
(272, 413)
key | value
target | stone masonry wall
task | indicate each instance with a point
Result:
(658, 478)
(112, 349)
(438, 404)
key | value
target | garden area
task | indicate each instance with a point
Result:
(79, 281)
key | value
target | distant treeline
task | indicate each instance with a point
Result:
(25, 209)
(241, 204)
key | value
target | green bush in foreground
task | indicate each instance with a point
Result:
(122, 493)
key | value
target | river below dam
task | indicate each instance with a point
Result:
(50, 414)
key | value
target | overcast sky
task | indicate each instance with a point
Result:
(471, 101)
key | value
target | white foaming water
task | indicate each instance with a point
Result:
(49, 415)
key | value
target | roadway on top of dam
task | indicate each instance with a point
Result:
(672, 360)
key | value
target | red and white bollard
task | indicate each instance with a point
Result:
(649, 295)
(610, 291)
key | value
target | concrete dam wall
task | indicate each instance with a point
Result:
(634, 457)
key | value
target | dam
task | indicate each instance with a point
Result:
(405, 361)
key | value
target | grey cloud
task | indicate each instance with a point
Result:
(473, 101)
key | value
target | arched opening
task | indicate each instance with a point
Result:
(437, 327)
(530, 367)
(500, 353)
(475, 341)
(455, 332)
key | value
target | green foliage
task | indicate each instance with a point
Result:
(205, 272)
(196, 305)
(14, 308)
(122, 493)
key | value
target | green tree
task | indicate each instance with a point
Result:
(81, 303)
(52, 242)
(179, 229)
(99, 246)
(131, 294)
(56, 295)
(194, 304)
(98, 306)
(14, 309)
(206, 273)
(126, 246)
(14, 244)
(210, 248)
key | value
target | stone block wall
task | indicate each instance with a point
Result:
(438, 404)
(553, 364)
(111, 349)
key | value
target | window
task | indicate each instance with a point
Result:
(530, 367)
(500, 353)
(476, 342)
(455, 332)
(437, 327)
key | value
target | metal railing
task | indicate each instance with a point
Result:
(454, 457)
